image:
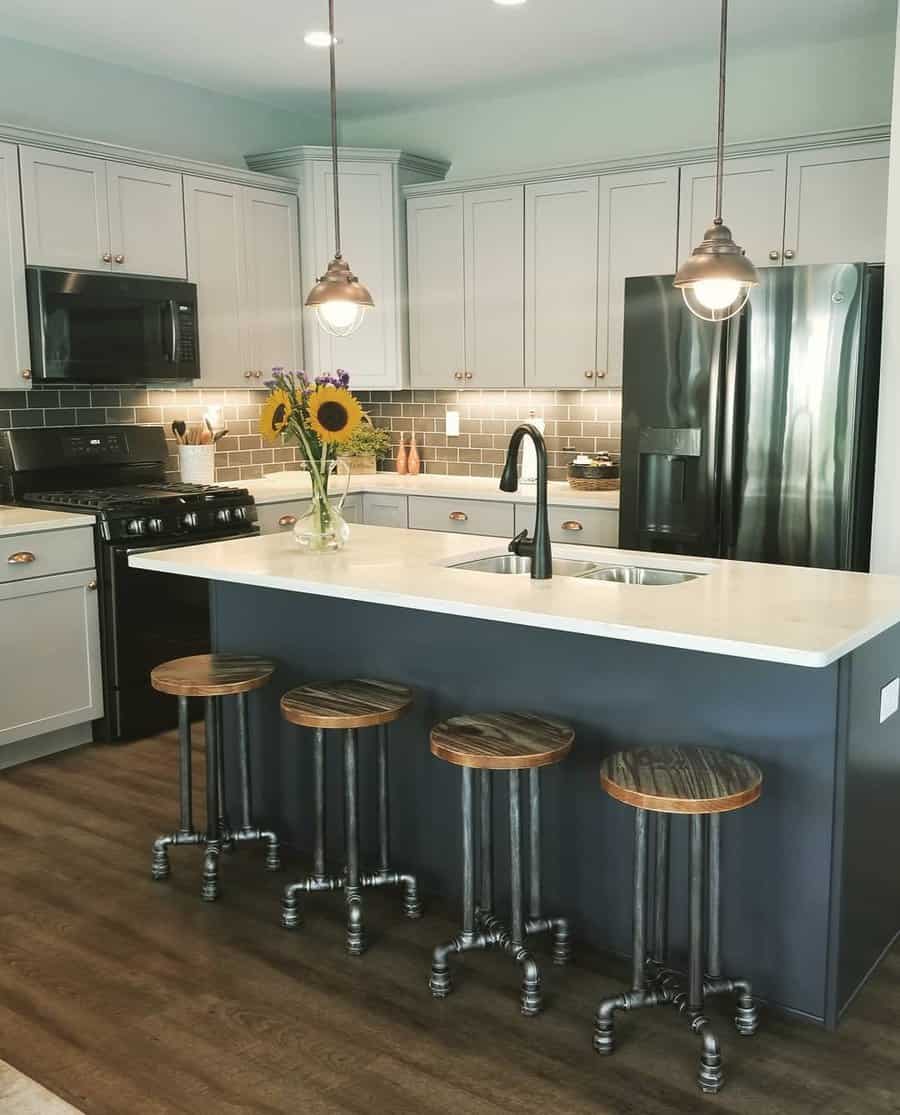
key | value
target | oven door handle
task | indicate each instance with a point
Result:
(150, 547)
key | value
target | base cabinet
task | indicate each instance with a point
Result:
(50, 648)
(274, 518)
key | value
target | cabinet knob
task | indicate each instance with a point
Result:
(107, 257)
(287, 521)
(26, 373)
(572, 524)
(589, 374)
(468, 375)
(120, 259)
(774, 255)
(789, 253)
(601, 373)
(22, 557)
(457, 375)
(248, 375)
(458, 516)
(92, 586)
(258, 375)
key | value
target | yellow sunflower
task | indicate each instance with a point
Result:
(333, 414)
(275, 414)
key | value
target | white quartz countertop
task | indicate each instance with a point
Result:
(281, 486)
(803, 617)
(25, 520)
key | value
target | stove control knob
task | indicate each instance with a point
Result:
(190, 519)
(224, 514)
(136, 526)
(239, 514)
(155, 526)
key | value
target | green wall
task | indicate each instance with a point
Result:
(789, 91)
(59, 92)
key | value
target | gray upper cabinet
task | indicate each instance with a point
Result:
(466, 282)
(637, 236)
(561, 222)
(146, 220)
(836, 208)
(86, 213)
(437, 305)
(64, 201)
(752, 206)
(14, 347)
(494, 242)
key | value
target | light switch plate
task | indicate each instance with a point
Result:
(890, 699)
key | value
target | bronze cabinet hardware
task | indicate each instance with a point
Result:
(22, 557)
(458, 516)
(572, 524)
(92, 586)
(107, 257)
(774, 254)
(26, 373)
(287, 521)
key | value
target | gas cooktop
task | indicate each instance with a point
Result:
(123, 497)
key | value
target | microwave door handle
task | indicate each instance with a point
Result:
(172, 354)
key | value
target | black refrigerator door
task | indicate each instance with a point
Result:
(672, 403)
(797, 482)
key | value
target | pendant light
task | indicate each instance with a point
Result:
(339, 298)
(716, 280)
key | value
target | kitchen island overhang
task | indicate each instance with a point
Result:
(812, 897)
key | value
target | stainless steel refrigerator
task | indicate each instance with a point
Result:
(754, 438)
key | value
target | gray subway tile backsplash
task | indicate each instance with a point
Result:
(575, 421)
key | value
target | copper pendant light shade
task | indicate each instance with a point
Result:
(338, 297)
(717, 278)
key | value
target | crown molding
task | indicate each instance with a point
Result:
(116, 153)
(286, 157)
(684, 157)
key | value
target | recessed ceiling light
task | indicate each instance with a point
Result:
(320, 38)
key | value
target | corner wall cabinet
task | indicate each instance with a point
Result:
(15, 358)
(91, 214)
(373, 233)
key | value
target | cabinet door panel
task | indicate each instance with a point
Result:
(638, 236)
(437, 329)
(461, 516)
(64, 200)
(14, 347)
(371, 355)
(385, 510)
(214, 223)
(752, 206)
(146, 220)
(50, 646)
(837, 204)
(272, 298)
(561, 282)
(494, 243)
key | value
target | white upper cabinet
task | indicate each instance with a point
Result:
(146, 220)
(637, 236)
(14, 347)
(837, 205)
(437, 316)
(561, 291)
(372, 354)
(91, 214)
(752, 206)
(494, 256)
(66, 211)
(214, 225)
(271, 296)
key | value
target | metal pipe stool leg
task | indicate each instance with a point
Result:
(186, 833)
(210, 888)
(248, 832)
(356, 940)
(486, 902)
(385, 876)
(537, 923)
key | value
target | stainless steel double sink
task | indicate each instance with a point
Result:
(584, 570)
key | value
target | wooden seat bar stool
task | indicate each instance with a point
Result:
(347, 706)
(703, 783)
(510, 742)
(213, 677)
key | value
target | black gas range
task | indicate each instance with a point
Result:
(117, 474)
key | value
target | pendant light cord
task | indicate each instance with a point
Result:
(720, 135)
(334, 133)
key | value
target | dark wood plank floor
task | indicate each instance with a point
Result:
(127, 996)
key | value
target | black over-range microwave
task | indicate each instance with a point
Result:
(95, 327)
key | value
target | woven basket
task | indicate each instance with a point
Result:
(582, 485)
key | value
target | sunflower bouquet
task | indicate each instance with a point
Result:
(320, 415)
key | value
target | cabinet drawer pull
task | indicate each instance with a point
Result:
(26, 373)
(107, 257)
(789, 253)
(774, 254)
(572, 524)
(119, 258)
(92, 586)
(287, 521)
(22, 557)
(459, 516)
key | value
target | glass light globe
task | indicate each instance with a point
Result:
(697, 298)
(716, 294)
(340, 317)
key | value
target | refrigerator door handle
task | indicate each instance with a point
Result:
(732, 410)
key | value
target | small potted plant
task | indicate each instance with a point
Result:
(364, 448)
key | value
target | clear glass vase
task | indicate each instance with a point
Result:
(323, 529)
